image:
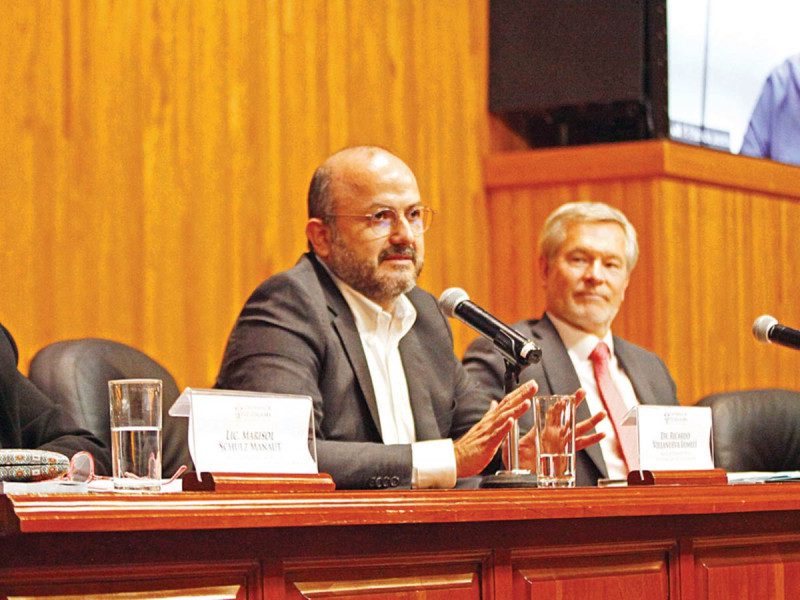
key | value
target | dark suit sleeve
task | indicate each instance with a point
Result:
(283, 342)
(469, 400)
(668, 382)
(352, 464)
(486, 367)
(31, 420)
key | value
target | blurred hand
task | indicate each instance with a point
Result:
(583, 439)
(475, 449)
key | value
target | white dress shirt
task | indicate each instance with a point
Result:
(433, 461)
(579, 346)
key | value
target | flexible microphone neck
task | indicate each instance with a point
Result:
(516, 349)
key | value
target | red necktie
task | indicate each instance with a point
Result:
(611, 397)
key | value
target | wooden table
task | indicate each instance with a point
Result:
(655, 542)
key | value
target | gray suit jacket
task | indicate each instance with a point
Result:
(296, 335)
(556, 375)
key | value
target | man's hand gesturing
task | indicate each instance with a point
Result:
(475, 449)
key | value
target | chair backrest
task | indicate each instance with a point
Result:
(75, 373)
(756, 430)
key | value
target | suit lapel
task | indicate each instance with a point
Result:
(345, 326)
(562, 378)
(638, 376)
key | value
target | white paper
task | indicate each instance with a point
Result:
(247, 432)
(671, 438)
(763, 476)
(107, 485)
(49, 486)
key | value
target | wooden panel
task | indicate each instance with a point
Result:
(228, 592)
(636, 571)
(440, 577)
(156, 154)
(715, 253)
(101, 513)
(640, 160)
(157, 581)
(767, 569)
(720, 542)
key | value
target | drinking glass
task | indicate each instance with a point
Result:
(135, 409)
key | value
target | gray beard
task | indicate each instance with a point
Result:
(364, 278)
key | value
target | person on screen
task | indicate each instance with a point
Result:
(348, 327)
(774, 129)
(30, 420)
(587, 251)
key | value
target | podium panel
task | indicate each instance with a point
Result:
(701, 542)
(754, 570)
(595, 571)
(446, 576)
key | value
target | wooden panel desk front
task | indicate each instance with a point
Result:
(668, 542)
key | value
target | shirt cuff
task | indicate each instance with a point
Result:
(433, 464)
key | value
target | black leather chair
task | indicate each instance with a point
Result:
(76, 373)
(756, 430)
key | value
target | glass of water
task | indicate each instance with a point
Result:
(135, 409)
(554, 422)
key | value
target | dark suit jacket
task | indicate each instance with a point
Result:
(29, 419)
(556, 375)
(296, 335)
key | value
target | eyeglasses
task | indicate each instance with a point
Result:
(81, 469)
(384, 221)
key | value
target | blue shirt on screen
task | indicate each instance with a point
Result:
(774, 129)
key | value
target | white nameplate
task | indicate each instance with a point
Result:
(671, 438)
(248, 432)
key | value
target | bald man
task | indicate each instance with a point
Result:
(347, 326)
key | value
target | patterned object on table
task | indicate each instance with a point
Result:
(31, 465)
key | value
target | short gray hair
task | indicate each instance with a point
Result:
(554, 231)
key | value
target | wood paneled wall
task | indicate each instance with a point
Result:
(718, 247)
(156, 154)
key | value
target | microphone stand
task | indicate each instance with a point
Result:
(513, 477)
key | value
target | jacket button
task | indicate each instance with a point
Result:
(394, 481)
(371, 483)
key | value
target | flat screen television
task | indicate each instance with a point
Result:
(564, 72)
(720, 53)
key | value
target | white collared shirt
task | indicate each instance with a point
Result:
(433, 461)
(579, 346)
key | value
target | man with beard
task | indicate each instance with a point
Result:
(347, 327)
(587, 251)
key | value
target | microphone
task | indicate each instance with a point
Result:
(767, 329)
(454, 302)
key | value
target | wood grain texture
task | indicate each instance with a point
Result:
(448, 575)
(703, 542)
(183, 511)
(156, 154)
(758, 569)
(231, 580)
(628, 571)
(718, 247)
